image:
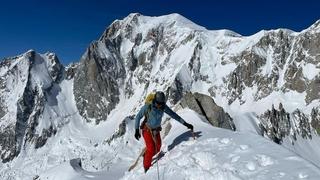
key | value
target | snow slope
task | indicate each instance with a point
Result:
(169, 46)
(214, 154)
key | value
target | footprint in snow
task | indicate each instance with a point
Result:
(251, 166)
(225, 141)
(244, 147)
(235, 159)
(279, 175)
(293, 158)
(205, 160)
(264, 160)
(303, 176)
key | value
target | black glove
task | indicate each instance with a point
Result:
(137, 134)
(189, 126)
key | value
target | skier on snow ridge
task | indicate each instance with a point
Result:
(151, 126)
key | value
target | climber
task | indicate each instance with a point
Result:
(151, 126)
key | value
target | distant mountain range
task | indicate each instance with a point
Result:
(267, 84)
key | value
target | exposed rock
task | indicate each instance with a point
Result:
(246, 74)
(54, 66)
(315, 119)
(205, 105)
(111, 30)
(97, 81)
(133, 63)
(276, 124)
(46, 133)
(301, 123)
(167, 129)
(121, 131)
(8, 144)
(71, 70)
(313, 90)
(311, 41)
(295, 79)
(3, 108)
(22, 80)
(176, 91)
(194, 64)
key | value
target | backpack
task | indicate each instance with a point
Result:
(150, 98)
(148, 101)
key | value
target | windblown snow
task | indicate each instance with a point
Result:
(214, 154)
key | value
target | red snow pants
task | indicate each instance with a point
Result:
(153, 145)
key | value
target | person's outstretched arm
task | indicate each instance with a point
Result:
(175, 116)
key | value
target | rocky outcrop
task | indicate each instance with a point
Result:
(301, 125)
(315, 119)
(121, 130)
(205, 105)
(70, 70)
(55, 68)
(97, 80)
(260, 65)
(8, 144)
(277, 62)
(175, 91)
(278, 124)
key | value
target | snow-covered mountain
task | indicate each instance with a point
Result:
(266, 84)
(214, 154)
(29, 84)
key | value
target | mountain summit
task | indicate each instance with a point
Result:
(265, 84)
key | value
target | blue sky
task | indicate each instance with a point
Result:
(66, 27)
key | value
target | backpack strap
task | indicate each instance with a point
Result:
(147, 113)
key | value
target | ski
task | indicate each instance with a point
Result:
(157, 157)
(137, 160)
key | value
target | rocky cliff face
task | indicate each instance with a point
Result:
(97, 80)
(279, 61)
(25, 82)
(127, 56)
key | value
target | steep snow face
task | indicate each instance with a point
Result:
(247, 76)
(14, 75)
(214, 154)
(25, 80)
(139, 54)
(170, 52)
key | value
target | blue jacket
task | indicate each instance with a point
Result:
(155, 116)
